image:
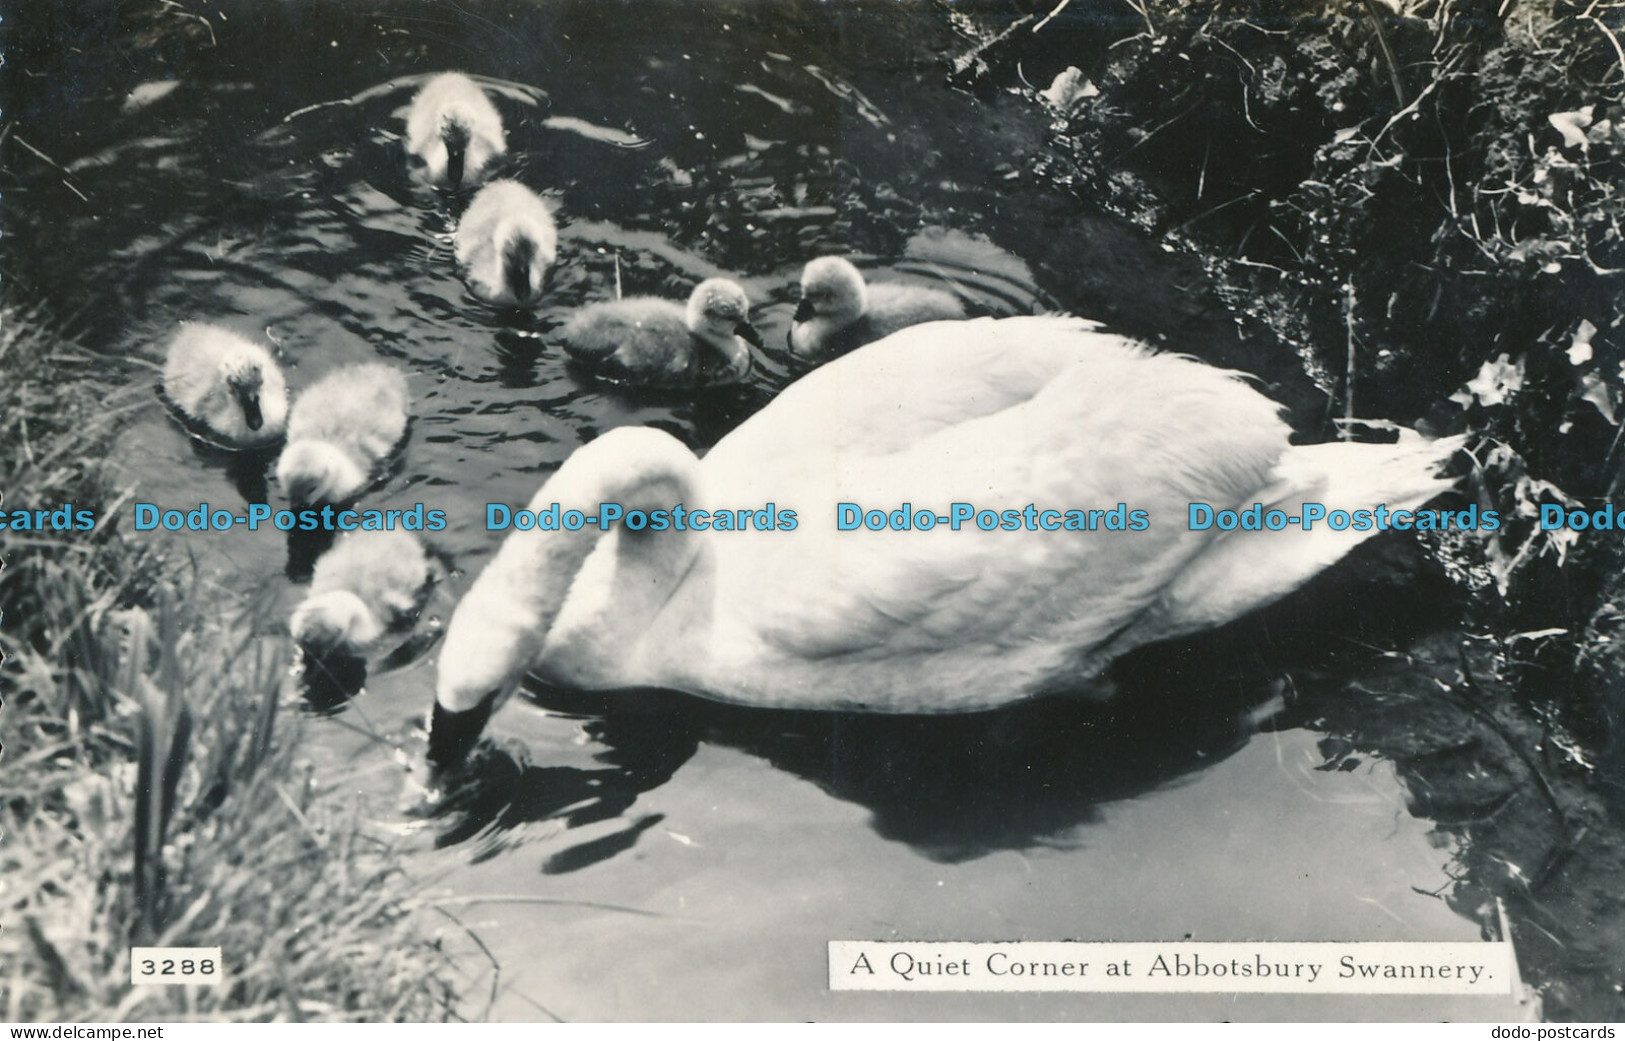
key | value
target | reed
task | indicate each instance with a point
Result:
(152, 793)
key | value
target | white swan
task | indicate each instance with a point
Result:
(998, 413)
(453, 131)
(644, 339)
(505, 241)
(341, 428)
(839, 311)
(368, 583)
(228, 384)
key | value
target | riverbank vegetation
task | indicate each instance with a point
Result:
(1424, 201)
(153, 793)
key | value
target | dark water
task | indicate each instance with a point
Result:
(653, 856)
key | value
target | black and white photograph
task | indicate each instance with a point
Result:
(893, 511)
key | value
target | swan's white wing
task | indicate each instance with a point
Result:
(892, 393)
(1083, 421)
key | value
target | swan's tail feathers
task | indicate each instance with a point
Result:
(1349, 476)
(337, 620)
(1244, 570)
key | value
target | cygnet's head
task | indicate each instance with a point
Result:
(832, 289)
(453, 131)
(336, 620)
(719, 310)
(318, 472)
(524, 265)
(245, 380)
(461, 153)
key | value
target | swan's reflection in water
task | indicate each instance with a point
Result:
(954, 787)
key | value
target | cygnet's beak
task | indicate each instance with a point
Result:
(456, 155)
(748, 333)
(452, 735)
(252, 414)
(250, 402)
(301, 490)
(804, 311)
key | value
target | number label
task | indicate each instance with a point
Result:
(176, 965)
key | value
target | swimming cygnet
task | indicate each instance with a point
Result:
(369, 583)
(453, 131)
(840, 312)
(505, 241)
(644, 339)
(341, 428)
(228, 384)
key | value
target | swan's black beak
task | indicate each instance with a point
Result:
(250, 401)
(804, 311)
(452, 735)
(748, 333)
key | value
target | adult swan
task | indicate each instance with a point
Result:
(996, 413)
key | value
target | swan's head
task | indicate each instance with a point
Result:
(833, 290)
(312, 471)
(718, 311)
(482, 661)
(336, 620)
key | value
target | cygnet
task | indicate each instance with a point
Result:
(647, 340)
(227, 384)
(341, 428)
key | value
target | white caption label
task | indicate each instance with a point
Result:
(176, 965)
(1280, 968)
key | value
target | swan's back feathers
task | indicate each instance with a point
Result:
(1245, 570)
(1000, 414)
(894, 393)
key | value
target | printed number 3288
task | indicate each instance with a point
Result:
(184, 967)
(175, 965)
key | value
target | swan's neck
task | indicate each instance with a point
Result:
(598, 639)
(547, 587)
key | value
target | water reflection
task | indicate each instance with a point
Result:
(953, 787)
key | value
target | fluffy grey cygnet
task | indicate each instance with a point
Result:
(505, 242)
(839, 311)
(339, 431)
(227, 384)
(453, 132)
(369, 583)
(646, 340)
